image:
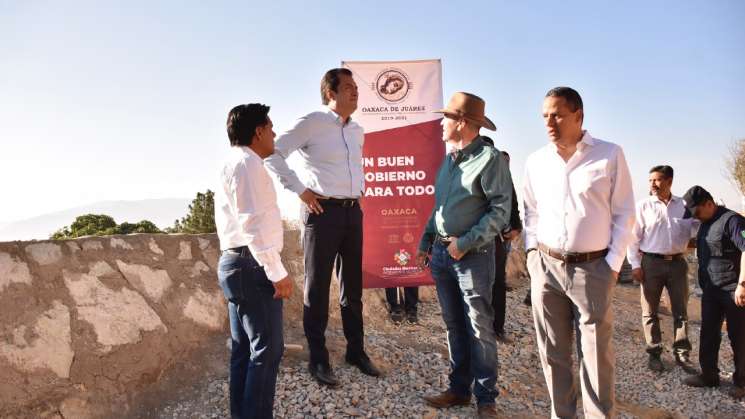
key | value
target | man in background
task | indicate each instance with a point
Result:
(720, 248)
(656, 253)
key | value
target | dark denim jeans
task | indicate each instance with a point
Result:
(464, 288)
(256, 331)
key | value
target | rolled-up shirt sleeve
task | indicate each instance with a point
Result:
(257, 223)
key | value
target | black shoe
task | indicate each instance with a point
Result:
(411, 317)
(700, 380)
(364, 364)
(323, 374)
(684, 362)
(397, 315)
(527, 301)
(655, 363)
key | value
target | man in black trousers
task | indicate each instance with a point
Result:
(329, 145)
(720, 248)
(503, 245)
(402, 302)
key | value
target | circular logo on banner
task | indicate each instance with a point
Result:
(392, 85)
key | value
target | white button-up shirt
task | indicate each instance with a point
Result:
(330, 156)
(581, 205)
(660, 228)
(246, 211)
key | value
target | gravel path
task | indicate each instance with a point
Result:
(414, 358)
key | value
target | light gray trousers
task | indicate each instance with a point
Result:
(574, 298)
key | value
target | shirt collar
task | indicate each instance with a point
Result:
(586, 141)
(655, 198)
(328, 111)
(470, 149)
(249, 151)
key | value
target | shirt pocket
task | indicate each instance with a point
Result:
(589, 180)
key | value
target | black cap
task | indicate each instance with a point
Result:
(695, 197)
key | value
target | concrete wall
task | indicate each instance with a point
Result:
(87, 324)
(84, 323)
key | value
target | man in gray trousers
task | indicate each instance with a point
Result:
(656, 254)
(579, 211)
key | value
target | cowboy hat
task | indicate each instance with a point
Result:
(470, 107)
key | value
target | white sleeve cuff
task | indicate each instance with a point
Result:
(272, 264)
(615, 261)
(276, 272)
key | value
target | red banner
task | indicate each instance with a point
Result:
(403, 150)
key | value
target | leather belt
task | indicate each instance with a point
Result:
(663, 257)
(342, 202)
(446, 240)
(572, 257)
(241, 250)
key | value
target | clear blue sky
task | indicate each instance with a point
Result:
(128, 100)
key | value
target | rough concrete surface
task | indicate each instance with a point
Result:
(88, 324)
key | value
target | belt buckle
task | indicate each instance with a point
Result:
(667, 257)
(347, 203)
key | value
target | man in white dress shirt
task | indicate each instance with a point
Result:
(656, 253)
(329, 180)
(250, 270)
(579, 211)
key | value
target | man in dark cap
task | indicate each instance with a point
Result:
(720, 250)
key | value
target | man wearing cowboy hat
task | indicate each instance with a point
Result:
(473, 192)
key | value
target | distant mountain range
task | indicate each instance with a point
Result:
(162, 212)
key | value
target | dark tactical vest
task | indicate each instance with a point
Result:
(719, 258)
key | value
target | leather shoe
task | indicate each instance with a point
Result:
(323, 374)
(411, 317)
(655, 363)
(502, 338)
(700, 380)
(364, 364)
(487, 411)
(397, 315)
(447, 399)
(684, 362)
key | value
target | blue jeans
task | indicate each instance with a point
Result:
(256, 331)
(464, 288)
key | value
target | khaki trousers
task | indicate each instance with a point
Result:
(574, 298)
(673, 275)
